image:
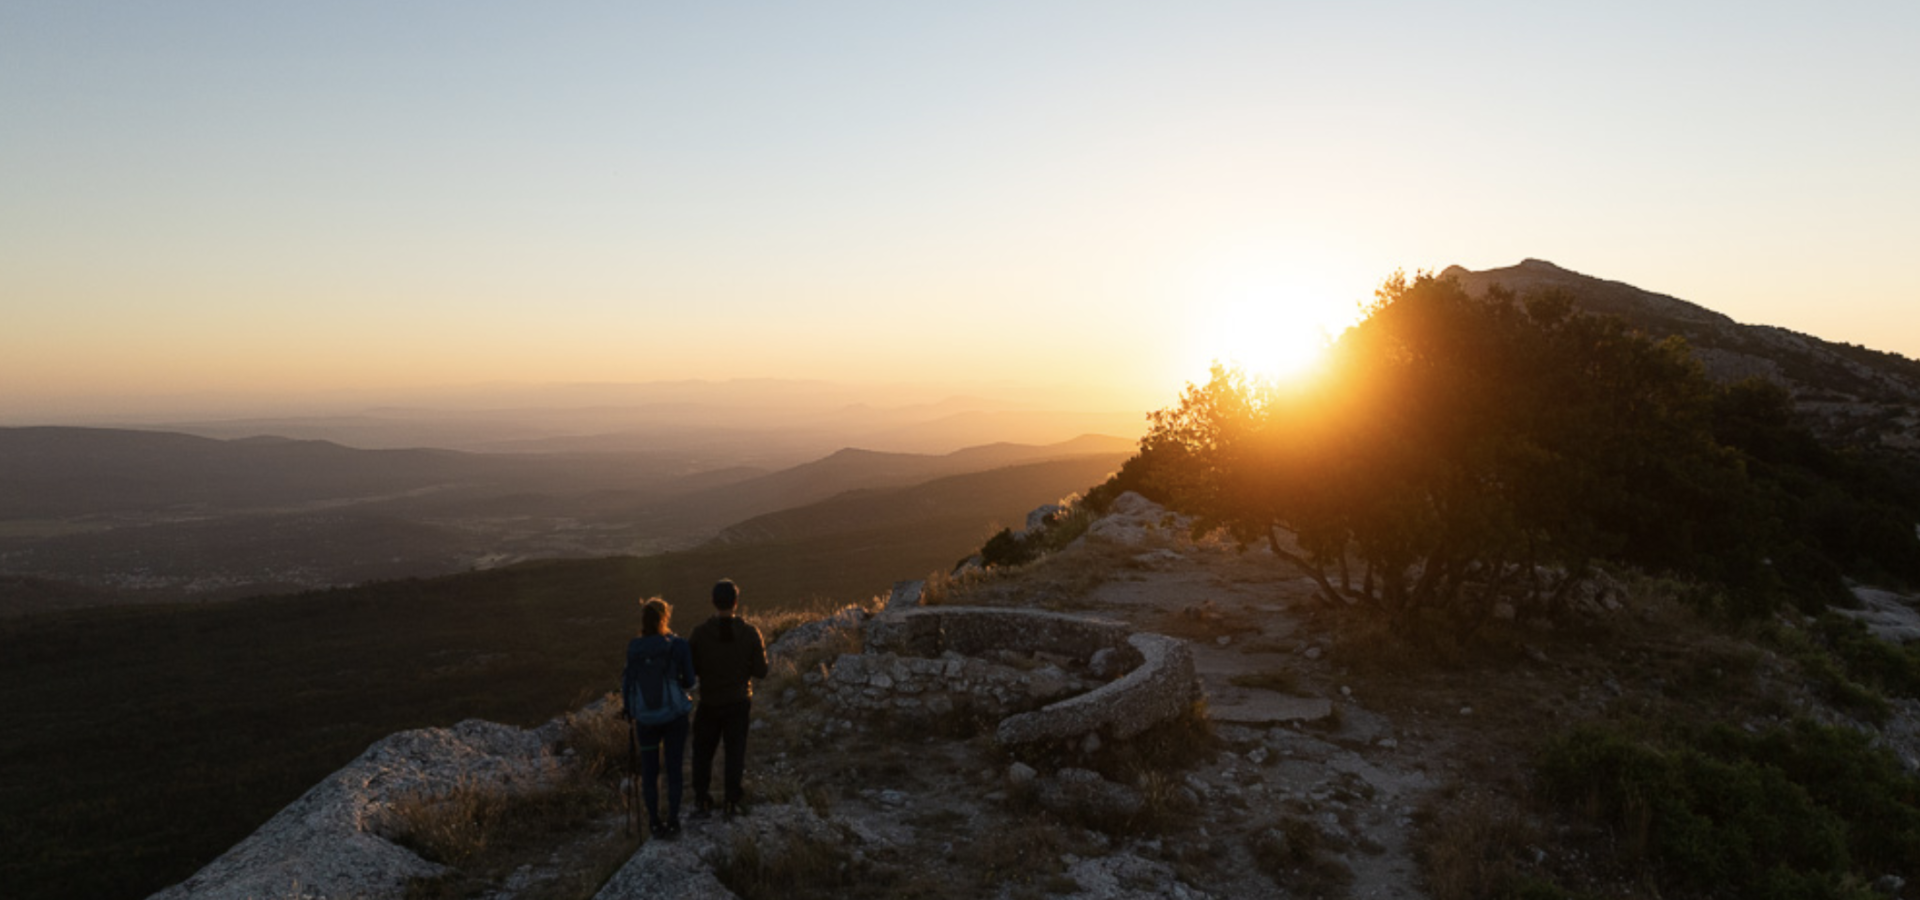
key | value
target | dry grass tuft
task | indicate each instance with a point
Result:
(451, 827)
(792, 866)
(1472, 847)
(1300, 857)
(484, 832)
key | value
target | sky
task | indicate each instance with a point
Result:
(275, 200)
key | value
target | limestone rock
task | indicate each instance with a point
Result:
(1044, 516)
(1127, 876)
(801, 638)
(331, 843)
(905, 595)
(1891, 617)
(1135, 521)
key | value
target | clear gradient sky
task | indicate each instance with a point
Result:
(278, 197)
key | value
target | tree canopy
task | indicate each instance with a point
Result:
(1454, 447)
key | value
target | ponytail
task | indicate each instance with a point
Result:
(654, 616)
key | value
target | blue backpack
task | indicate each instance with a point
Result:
(653, 696)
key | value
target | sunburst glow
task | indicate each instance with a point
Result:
(1268, 305)
(1273, 340)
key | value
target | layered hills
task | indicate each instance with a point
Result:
(99, 515)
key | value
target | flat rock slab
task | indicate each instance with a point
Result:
(1268, 708)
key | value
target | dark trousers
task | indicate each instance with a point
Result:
(711, 725)
(669, 740)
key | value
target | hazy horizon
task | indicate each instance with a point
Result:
(774, 394)
(216, 204)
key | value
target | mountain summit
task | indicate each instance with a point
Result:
(1849, 395)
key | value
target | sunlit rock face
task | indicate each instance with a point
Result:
(1135, 521)
(332, 842)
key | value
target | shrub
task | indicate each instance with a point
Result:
(1800, 812)
(1006, 549)
(1869, 660)
(1472, 849)
(1831, 672)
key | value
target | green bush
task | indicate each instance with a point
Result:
(1891, 668)
(1854, 669)
(1006, 549)
(1009, 549)
(1808, 811)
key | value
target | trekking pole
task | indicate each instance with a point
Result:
(632, 793)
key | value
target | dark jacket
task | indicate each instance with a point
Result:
(727, 651)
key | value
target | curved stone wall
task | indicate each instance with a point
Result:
(929, 660)
(1160, 689)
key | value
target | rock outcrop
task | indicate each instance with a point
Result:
(333, 842)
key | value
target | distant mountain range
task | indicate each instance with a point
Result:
(1849, 395)
(91, 516)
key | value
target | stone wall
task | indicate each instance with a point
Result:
(913, 687)
(1160, 689)
(1046, 676)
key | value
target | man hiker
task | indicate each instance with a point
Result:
(727, 654)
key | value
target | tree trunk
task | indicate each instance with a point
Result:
(1314, 572)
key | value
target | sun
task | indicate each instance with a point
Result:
(1269, 307)
(1275, 339)
(1270, 340)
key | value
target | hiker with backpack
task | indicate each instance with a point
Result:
(727, 653)
(655, 692)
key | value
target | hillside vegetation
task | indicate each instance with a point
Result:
(1467, 467)
(1461, 452)
(1849, 395)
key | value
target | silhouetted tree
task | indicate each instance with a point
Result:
(1455, 441)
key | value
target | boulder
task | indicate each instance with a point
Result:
(1043, 516)
(1135, 521)
(801, 638)
(905, 595)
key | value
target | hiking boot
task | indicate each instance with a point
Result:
(734, 810)
(671, 832)
(655, 829)
(701, 810)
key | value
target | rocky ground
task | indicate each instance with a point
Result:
(1329, 768)
(1325, 760)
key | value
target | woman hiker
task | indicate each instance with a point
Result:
(655, 688)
